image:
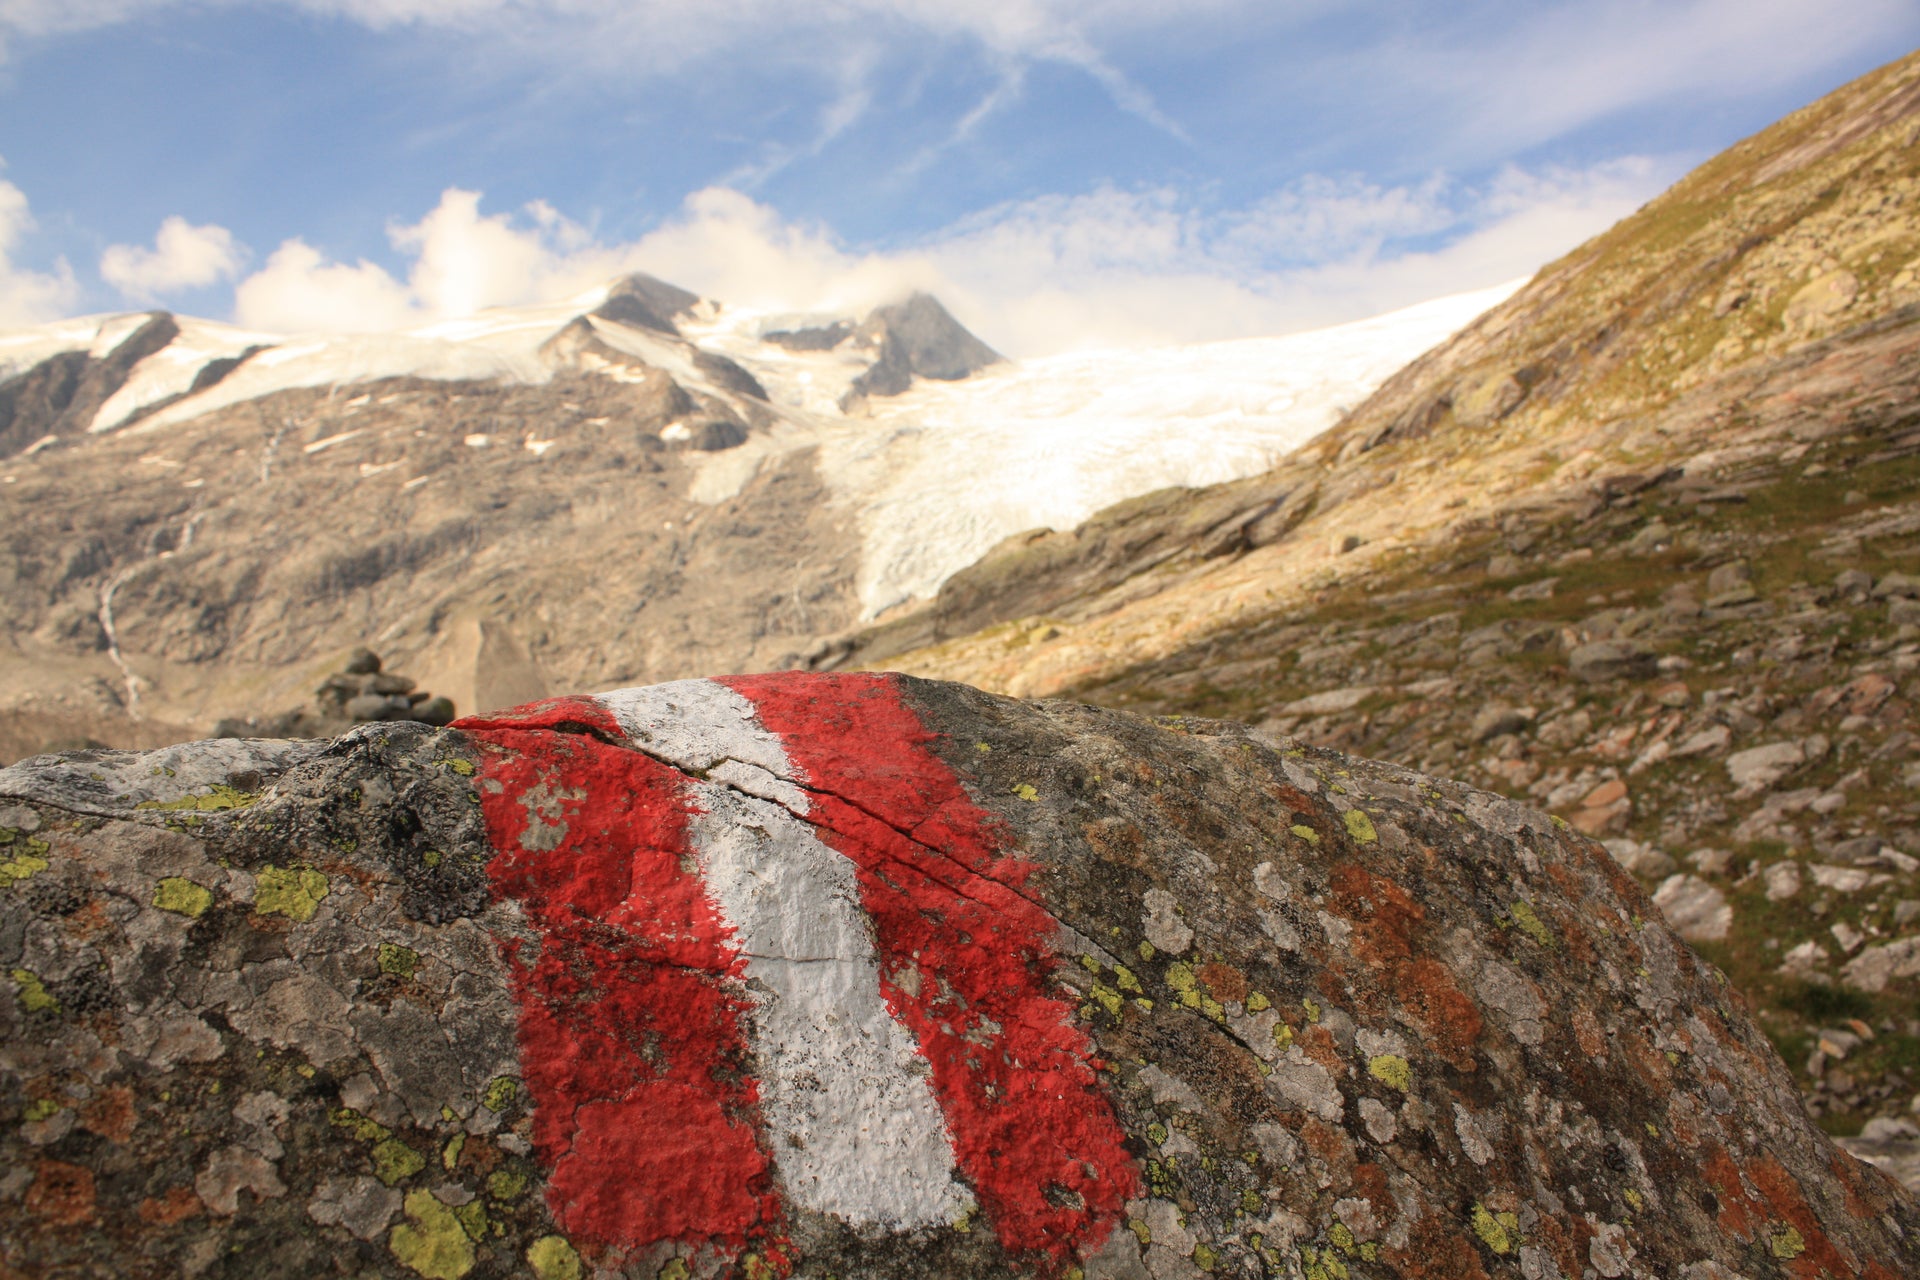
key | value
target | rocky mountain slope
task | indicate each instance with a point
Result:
(853, 975)
(200, 523)
(1639, 545)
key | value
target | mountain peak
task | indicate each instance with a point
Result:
(918, 336)
(647, 302)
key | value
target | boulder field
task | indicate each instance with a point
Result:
(863, 975)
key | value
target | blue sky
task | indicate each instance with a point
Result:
(1065, 174)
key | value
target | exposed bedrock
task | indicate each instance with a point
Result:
(862, 975)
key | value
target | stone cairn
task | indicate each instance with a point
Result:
(359, 693)
(362, 692)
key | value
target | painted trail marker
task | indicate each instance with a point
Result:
(771, 926)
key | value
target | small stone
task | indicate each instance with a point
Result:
(1761, 767)
(1711, 862)
(1541, 590)
(1697, 911)
(1729, 577)
(1612, 660)
(1708, 741)
(437, 711)
(368, 707)
(1782, 880)
(1675, 694)
(362, 662)
(1640, 859)
(1903, 585)
(1495, 720)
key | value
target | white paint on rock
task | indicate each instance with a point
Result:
(854, 1126)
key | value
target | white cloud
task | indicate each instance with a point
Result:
(1555, 68)
(28, 297)
(631, 37)
(1108, 268)
(183, 257)
(299, 290)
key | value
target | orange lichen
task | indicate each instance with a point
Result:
(61, 1194)
(110, 1114)
(179, 1204)
(1444, 1015)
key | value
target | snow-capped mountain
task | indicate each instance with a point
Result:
(637, 484)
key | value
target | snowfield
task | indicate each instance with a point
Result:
(933, 477)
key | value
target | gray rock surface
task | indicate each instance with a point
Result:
(863, 975)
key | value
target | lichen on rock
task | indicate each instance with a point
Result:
(1196, 1006)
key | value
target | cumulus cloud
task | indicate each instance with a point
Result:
(299, 290)
(28, 297)
(1102, 269)
(183, 257)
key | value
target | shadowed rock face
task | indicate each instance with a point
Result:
(865, 975)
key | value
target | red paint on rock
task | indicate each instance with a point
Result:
(965, 955)
(630, 1013)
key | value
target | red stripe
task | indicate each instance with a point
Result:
(964, 950)
(630, 1031)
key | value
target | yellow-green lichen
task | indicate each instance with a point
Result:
(1391, 1069)
(215, 799)
(1157, 1134)
(397, 960)
(293, 892)
(1282, 1036)
(24, 866)
(1141, 1231)
(450, 1154)
(1493, 1229)
(1108, 998)
(1124, 976)
(1180, 977)
(1204, 1257)
(365, 1128)
(1026, 792)
(500, 1093)
(1635, 1199)
(1146, 951)
(1786, 1242)
(472, 1217)
(462, 767)
(1312, 1008)
(1306, 833)
(1342, 1237)
(394, 1161)
(34, 996)
(676, 1269)
(181, 895)
(1360, 826)
(41, 1109)
(431, 1242)
(506, 1185)
(1530, 923)
(1257, 1003)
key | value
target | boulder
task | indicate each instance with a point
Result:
(866, 976)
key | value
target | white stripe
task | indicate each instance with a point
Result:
(850, 1113)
